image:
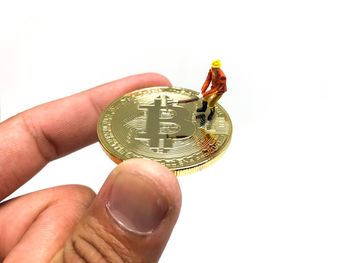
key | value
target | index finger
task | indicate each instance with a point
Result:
(32, 138)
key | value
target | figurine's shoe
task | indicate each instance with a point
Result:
(204, 107)
(211, 114)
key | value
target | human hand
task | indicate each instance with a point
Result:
(129, 220)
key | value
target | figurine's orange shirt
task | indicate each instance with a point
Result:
(218, 83)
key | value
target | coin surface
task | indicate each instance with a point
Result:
(161, 124)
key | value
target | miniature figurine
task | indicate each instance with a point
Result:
(218, 87)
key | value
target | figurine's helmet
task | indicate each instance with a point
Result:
(216, 64)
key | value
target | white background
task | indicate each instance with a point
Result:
(281, 193)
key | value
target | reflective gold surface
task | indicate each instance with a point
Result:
(149, 124)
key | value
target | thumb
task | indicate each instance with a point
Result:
(131, 218)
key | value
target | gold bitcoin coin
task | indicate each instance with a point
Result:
(162, 124)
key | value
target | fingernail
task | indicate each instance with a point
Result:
(135, 203)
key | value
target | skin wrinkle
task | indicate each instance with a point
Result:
(100, 239)
(42, 141)
(97, 108)
(93, 242)
(108, 239)
(76, 252)
(46, 146)
(82, 247)
(8, 171)
(52, 142)
(93, 245)
(8, 184)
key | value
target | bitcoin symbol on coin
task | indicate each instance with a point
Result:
(165, 123)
